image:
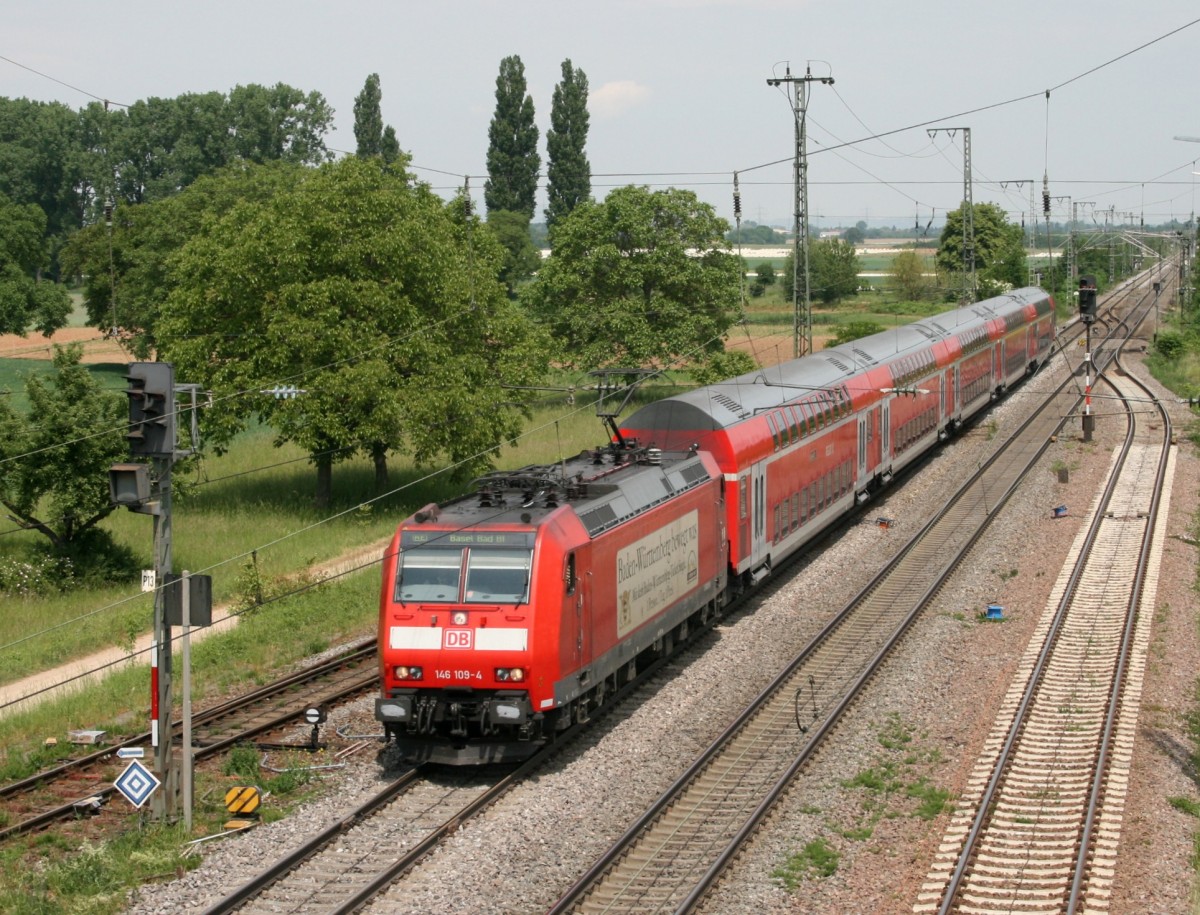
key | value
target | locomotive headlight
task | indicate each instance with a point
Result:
(517, 674)
(459, 617)
(505, 674)
(403, 672)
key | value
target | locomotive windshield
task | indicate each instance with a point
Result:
(493, 576)
(498, 576)
(429, 575)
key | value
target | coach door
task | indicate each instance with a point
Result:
(868, 444)
(758, 514)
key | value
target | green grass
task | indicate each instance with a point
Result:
(228, 509)
(816, 859)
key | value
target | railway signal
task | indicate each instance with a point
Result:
(1087, 314)
(1087, 299)
(151, 395)
(146, 487)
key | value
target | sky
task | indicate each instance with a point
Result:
(679, 94)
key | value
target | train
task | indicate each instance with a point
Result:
(512, 613)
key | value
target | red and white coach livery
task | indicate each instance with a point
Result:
(509, 614)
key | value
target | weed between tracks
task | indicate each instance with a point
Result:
(895, 785)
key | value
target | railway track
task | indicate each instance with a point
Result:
(745, 780)
(83, 786)
(675, 852)
(1040, 823)
(339, 869)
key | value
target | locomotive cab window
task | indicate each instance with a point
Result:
(498, 576)
(429, 575)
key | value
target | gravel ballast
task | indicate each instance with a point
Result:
(866, 797)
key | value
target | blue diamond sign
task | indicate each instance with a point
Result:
(137, 783)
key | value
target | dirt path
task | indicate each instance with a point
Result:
(96, 347)
(86, 671)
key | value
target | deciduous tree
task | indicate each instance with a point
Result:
(906, 277)
(54, 460)
(833, 271)
(644, 277)
(377, 298)
(144, 236)
(24, 300)
(999, 253)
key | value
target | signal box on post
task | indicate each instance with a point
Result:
(151, 395)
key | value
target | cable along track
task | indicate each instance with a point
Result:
(676, 851)
(1038, 827)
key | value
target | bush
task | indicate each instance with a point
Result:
(37, 576)
(1170, 344)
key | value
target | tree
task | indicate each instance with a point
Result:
(160, 146)
(512, 157)
(752, 233)
(521, 258)
(368, 119)
(643, 278)
(389, 146)
(833, 272)
(999, 252)
(854, 330)
(39, 165)
(907, 276)
(834, 269)
(25, 301)
(854, 236)
(279, 122)
(142, 239)
(377, 297)
(765, 273)
(568, 172)
(54, 461)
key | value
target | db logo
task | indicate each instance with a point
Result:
(456, 638)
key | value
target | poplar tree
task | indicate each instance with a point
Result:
(512, 158)
(368, 119)
(568, 171)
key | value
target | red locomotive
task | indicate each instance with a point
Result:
(508, 615)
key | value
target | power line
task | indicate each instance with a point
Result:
(53, 79)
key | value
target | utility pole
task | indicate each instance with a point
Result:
(968, 216)
(801, 321)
